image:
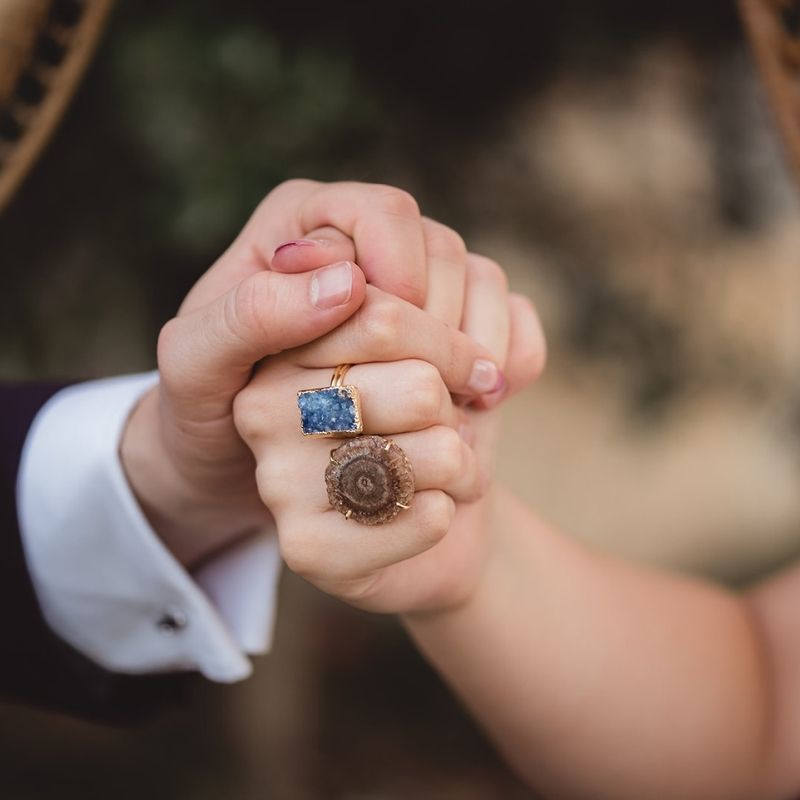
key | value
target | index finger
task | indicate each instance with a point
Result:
(386, 226)
(390, 329)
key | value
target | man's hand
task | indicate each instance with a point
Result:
(289, 278)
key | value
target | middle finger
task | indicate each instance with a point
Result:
(447, 256)
(395, 398)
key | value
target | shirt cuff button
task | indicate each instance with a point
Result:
(173, 620)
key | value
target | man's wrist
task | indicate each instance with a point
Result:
(192, 525)
(148, 470)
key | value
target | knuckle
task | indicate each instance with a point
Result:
(167, 340)
(489, 270)
(427, 391)
(168, 352)
(296, 183)
(528, 367)
(290, 187)
(536, 361)
(296, 551)
(264, 472)
(436, 515)
(523, 303)
(246, 417)
(479, 480)
(484, 478)
(360, 591)
(398, 202)
(381, 324)
(449, 450)
(533, 349)
(270, 479)
(285, 195)
(256, 414)
(266, 481)
(444, 239)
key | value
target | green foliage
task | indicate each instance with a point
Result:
(225, 112)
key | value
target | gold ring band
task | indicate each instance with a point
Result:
(338, 375)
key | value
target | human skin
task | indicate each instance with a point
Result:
(604, 679)
(183, 457)
(431, 555)
(597, 678)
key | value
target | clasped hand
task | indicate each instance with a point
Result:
(324, 274)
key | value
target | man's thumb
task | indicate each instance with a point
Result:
(205, 357)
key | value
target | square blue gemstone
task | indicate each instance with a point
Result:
(329, 410)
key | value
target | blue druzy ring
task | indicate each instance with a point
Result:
(333, 410)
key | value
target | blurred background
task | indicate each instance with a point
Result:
(616, 157)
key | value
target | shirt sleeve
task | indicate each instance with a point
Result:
(105, 582)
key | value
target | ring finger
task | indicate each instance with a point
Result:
(440, 459)
(395, 397)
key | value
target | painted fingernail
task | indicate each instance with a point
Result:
(485, 376)
(331, 286)
(297, 243)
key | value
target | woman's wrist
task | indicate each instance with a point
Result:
(459, 598)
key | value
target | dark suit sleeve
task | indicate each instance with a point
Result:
(36, 666)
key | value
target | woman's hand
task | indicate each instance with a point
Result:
(408, 365)
(190, 470)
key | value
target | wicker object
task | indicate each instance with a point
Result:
(773, 27)
(45, 46)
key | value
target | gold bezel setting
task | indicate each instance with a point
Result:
(313, 421)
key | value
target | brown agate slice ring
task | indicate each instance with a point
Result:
(369, 480)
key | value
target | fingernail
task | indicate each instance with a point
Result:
(485, 377)
(494, 397)
(467, 433)
(332, 286)
(297, 243)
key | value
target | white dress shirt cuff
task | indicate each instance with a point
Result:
(104, 580)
